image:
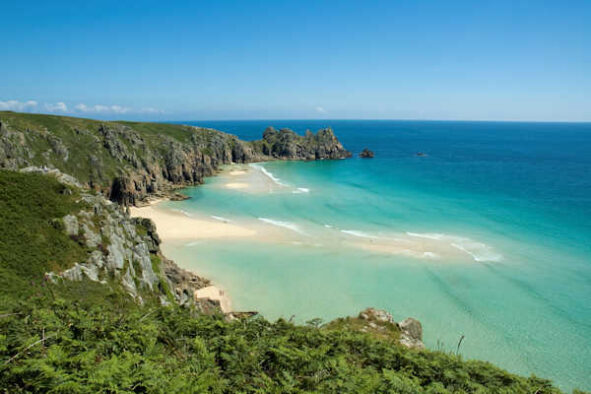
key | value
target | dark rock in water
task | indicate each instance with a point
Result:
(366, 154)
(421, 154)
(178, 197)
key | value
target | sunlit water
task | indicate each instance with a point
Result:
(499, 215)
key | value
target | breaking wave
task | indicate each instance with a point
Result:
(269, 175)
(279, 223)
(477, 250)
(220, 218)
(359, 234)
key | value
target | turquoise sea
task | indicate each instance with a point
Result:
(511, 201)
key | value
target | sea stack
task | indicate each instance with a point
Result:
(366, 154)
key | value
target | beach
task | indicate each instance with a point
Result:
(177, 226)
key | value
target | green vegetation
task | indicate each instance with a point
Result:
(73, 346)
(77, 337)
(32, 241)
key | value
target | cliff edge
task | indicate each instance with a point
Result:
(128, 161)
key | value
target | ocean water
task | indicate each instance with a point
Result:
(487, 236)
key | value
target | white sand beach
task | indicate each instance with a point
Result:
(236, 185)
(173, 225)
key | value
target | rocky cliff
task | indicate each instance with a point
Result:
(286, 144)
(128, 161)
(120, 251)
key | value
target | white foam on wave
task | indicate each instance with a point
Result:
(477, 250)
(279, 223)
(430, 255)
(426, 235)
(300, 190)
(359, 234)
(181, 211)
(328, 226)
(221, 219)
(268, 174)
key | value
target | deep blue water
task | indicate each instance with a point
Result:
(520, 192)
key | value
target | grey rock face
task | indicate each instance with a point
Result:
(92, 239)
(65, 179)
(71, 224)
(411, 333)
(412, 327)
(376, 315)
(122, 253)
(411, 330)
(285, 144)
(183, 282)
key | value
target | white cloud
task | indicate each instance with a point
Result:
(320, 110)
(14, 105)
(81, 108)
(57, 107)
(150, 110)
(102, 109)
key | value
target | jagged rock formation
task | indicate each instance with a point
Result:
(122, 251)
(411, 330)
(366, 154)
(130, 161)
(411, 333)
(285, 144)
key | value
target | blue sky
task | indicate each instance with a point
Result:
(176, 60)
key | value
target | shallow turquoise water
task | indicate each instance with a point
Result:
(521, 192)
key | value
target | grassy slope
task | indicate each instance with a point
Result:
(87, 337)
(79, 135)
(31, 241)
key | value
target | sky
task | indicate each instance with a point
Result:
(208, 60)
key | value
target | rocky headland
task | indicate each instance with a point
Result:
(130, 161)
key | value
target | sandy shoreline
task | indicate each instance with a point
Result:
(177, 226)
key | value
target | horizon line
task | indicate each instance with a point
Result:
(147, 120)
